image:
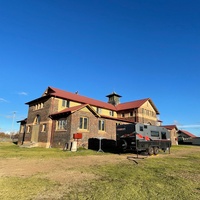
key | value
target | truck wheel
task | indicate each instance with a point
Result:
(155, 150)
(123, 145)
(150, 150)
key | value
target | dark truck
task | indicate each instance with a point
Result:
(139, 137)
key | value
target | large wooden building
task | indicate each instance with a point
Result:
(57, 115)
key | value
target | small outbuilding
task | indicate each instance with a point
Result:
(173, 133)
(185, 137)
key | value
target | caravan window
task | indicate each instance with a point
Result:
(141, 128)
(154, 133)
(163, 134)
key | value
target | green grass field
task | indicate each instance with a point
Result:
(164, 177)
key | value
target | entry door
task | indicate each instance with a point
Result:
(35, 131)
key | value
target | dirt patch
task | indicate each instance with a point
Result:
(30, 167)
(66, 173)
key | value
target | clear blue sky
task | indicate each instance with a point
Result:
(137, 48)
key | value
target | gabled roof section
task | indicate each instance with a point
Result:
(76, 108)
(135, 104)
(55, 92)
(186, 133)
(78, 98)
(48, 91)
(170, 127)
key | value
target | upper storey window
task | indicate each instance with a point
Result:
(38, 106)
(99, 110)
(65, 103)
(111, 113)
(148, 112)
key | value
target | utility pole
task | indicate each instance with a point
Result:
(12, 128)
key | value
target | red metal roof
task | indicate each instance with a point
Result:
(116, 119)
(70, 110)
(132, 104)
(187, 133)
(170, 127)
(78, 98)
(76, 108)
(51, 91)
(135, 104)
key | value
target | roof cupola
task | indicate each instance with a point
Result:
(114, 98)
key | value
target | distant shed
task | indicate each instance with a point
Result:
(185, 137)
(196, 141)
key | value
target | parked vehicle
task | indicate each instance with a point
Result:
(142, 137)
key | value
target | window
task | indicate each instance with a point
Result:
(83, 123)
(141, 128)
(154, 133)
(163, 135)
(43, 127)
(101, 125)
(22, 129)
(122, 114)
(99, 110)
(37, 119)
(65, 103)
(28, 129)
(111, 113)
(62, 124)
(38, 106)
(131, 114)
